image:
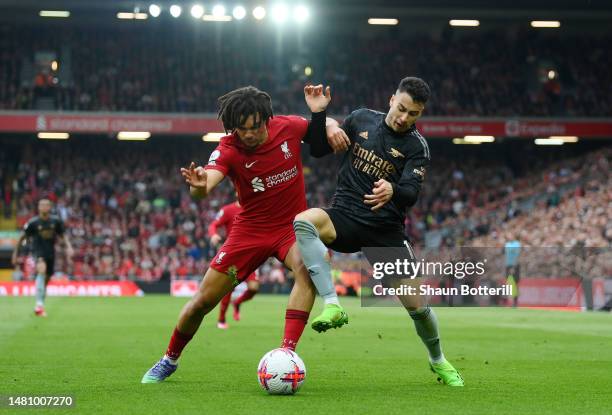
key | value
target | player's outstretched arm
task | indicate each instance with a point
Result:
(68, 245)
(17, 246)
(316, 100)
(201, 182)
(336, 136)
(320, 142)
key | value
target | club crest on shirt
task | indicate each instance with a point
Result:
(363, 134)
(285, 149)
(395, 153)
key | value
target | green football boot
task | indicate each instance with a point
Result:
(332, 317)
(447, 374)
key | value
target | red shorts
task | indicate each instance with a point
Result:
(246, 249)
(253, 276)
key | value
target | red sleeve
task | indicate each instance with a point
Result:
(298, 126)
(220, 159)
(220, 220)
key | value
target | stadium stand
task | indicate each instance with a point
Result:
(130, 216)
(488, 73)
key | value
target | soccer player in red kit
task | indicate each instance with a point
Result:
(262, 158)
(225, 219)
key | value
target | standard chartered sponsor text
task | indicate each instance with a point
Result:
(281, 177)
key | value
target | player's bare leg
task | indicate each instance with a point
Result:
(303, 293)
(313, 229)
(300, 302)
(214, 286)
(41, 287)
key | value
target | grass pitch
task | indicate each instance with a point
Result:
(97, 349)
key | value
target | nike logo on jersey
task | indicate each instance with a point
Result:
(395, 153)
(249, 165)
(363, 134)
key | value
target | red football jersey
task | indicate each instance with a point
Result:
(269, 179)
(225, 219)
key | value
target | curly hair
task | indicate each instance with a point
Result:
(236, 106)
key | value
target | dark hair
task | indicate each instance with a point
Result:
(236, 106)
(416, 88)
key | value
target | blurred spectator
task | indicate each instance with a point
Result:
(169, 69)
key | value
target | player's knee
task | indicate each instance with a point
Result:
(303, 216)
(314, 217)
(41, 267)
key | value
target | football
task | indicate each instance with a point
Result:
(281, 372)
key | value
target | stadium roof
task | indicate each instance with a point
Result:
(550, 5)
(337, 12)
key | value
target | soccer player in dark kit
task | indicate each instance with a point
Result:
(42, 231)
(262, 158)
(380, 176)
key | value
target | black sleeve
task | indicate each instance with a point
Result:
(29, 229)
(316, 135)
(348, 124)
(406, 191)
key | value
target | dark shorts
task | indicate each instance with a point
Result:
(352, 235)
(49, 262)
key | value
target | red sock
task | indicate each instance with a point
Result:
(224, 304)
(246, 296)
(178, 341)
(295, 321)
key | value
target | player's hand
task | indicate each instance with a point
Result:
(381, 194)
(195, 176)
(215, 240)
(337, 138)
(316, 100)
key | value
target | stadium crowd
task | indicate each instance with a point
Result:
(521, 73)
(130, 216)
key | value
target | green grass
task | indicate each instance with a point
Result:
(97, 349)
